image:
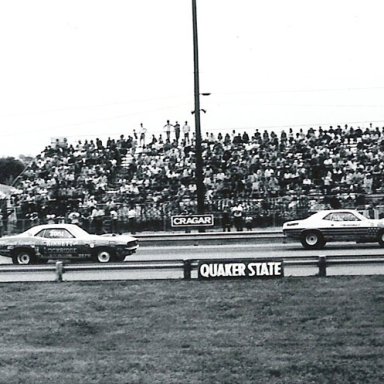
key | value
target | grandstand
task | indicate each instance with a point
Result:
(273, 176)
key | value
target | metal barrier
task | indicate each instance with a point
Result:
(179, 269)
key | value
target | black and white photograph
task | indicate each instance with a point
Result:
(191, 191)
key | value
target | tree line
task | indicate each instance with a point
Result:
(10, 168)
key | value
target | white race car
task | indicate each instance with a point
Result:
(334, 225)
(65, 241)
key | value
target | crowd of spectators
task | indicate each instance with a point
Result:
(341, 161)
(258, 169)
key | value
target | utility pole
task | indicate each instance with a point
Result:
(200, 188)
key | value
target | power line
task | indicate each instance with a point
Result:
(320, 90)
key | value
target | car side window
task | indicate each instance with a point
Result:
(347, 216)
(41, 233)
(332, 217)
(59, 233)
(341, 216)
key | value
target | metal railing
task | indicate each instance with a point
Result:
(180, 269)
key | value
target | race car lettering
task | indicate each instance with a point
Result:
(60, 243)
(63, 255)
(60, 250)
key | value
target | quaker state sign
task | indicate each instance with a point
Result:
(240, 269)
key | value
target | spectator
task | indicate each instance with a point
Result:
(167, 130)
(97, 218)
(142, 133)
(51, 219)
(122, 214)
(132, 219)
(226, 220)
(237, 213)
(177, 132)
(186, 131)
(248, 221)
(74, 217)
(114, 220)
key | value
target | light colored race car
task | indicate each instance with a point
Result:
(65, 241)
(334, 225)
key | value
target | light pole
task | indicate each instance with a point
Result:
(200, 188)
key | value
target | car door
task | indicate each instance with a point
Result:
(58, 243)
(345, 226)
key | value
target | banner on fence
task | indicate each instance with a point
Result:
(192, 221)
(240, 269)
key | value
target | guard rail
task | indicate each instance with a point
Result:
(176, 269)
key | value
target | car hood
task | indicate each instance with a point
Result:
(111, 237)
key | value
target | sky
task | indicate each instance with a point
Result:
(94, 68)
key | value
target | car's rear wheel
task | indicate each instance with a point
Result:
(23, 258)
(104, 256)
(312, 240)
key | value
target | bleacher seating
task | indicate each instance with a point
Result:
(283, 170)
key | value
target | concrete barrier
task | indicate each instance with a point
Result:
(215, 238)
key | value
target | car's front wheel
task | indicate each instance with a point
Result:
(312, 240)
(23, 258)
(380, 238)
(104, 256)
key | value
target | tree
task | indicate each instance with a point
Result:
(10, 168)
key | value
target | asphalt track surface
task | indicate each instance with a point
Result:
(253, 250)
(288, 250)
(204, 252)
(285, 251)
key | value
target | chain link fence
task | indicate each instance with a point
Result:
(155, 219)
(156, 216)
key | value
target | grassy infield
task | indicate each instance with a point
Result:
(295, 330)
